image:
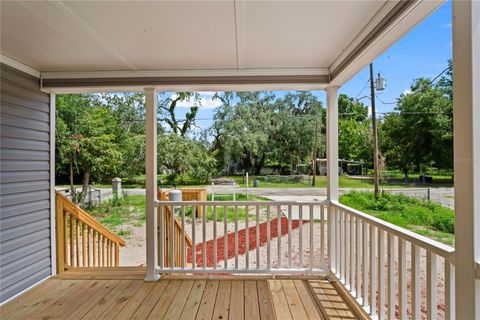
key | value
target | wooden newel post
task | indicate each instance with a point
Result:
(61, 236)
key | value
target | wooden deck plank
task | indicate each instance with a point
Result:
(280, 304)
(134, 302)
(41, 299)
(185, 299)
(309, 304)
(252, 310)
(176, 307)
(222, 302)
(293, 299)
(37, 304)
(150, 301)
(162, 305)
(208, 300)
(29, 297)
(62, 307)
(326, 297)
(237, 296)
(265, 301)
(194, 299)
(101, 292)
(121, 300)
(102, 304)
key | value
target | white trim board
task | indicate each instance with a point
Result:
(53, 236)
(184, 73)
(19, 66)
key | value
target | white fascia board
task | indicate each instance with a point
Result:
(184, 73)
(193, 88)
(19, 66)
(407, 21)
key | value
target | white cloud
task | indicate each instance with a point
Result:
(206, 101)
(407, 91)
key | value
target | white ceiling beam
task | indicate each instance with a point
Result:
(186, 73)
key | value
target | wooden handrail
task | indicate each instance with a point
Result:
(81, 240)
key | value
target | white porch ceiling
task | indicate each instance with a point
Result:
(188, 38)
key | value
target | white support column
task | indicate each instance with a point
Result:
(332, 144)
(332, 172)
(151, 182)
(466, 114)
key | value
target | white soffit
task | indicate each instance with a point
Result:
(303, 40)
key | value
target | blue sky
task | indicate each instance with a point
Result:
(423, 52)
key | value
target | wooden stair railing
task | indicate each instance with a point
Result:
(81, 240)
(177, 236)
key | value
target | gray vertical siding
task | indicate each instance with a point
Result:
(25, 256)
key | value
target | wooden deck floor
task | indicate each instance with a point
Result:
(61, 298)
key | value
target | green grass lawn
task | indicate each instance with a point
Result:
(426, 218)
(321, 182)
(394, 178)
(231, 210)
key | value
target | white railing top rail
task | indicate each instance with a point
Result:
(436, 247)
(239, 203)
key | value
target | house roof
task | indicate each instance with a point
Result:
(202, 44)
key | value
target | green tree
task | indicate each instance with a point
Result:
(128, 109)
(168, 107)
(85, 132)
(241, 131)
(293, 129)
(420, 133)
(184, 157)
(355, 134)
(259, 129)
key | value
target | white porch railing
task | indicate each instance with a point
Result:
(246, 237)
(392, 272)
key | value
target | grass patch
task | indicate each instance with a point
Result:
(424, 217)
(115, 213)
(241, 212)
(320, 182)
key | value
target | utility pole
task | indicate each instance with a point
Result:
(375, 136)
(314, 153)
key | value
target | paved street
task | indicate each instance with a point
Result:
(443, 196)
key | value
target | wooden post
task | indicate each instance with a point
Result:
(60, 237)
(151, 183)
(466, 133)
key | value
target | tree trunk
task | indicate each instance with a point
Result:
(405, 175)
(70, 168)
(86, 180)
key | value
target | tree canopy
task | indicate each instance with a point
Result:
(100, 136)
(261, 129)
(420, 132)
